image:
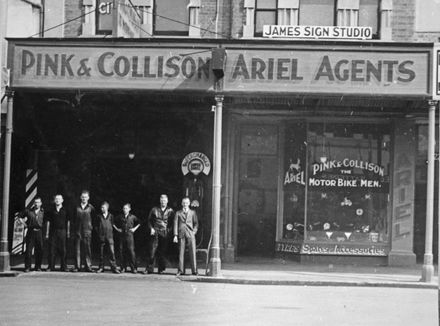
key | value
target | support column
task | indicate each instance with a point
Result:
(428, 267)
(403, 194)
(4, 250)
(214, 261)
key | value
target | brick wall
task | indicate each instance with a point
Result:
(73, 9)
(403, 20)
(208, 12)
(238, 19)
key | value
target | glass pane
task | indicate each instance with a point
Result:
(368, 13)
(348, 183)
(177, 11)
(266, 4)
(294, 181)
(259, 140)
(264, 18)
(317, 12)
(104, 18)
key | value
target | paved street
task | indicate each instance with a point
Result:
(91, 299)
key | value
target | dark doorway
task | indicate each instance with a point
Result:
(257, 191)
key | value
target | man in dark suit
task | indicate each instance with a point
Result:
(157, 222)
(33, 219)
(84, 215)
(58, 229)
(127, 224)
(185, 229)
(104, 228)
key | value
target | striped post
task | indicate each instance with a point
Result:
(31, 187)
(18, 244)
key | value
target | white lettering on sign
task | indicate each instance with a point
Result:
(347, 163)
(320, 32)
(338, 249)
(195, 163)
(105, 8)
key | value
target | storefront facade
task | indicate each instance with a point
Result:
(319, 139)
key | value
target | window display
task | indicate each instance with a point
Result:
(347, 183)
(294, 182)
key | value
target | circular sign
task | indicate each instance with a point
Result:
(359, 212)
(196, 163)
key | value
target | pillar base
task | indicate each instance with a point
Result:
(229, 254)
(4, 262)
(427, 268)
(215, 267)
(401, 258)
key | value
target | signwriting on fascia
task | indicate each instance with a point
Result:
(355, 70)
(110, 64)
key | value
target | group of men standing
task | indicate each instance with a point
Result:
(59, 226)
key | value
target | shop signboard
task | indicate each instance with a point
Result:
(350, 70)
(107, 67)
(317, 32)
(328, 71)
(337, 249)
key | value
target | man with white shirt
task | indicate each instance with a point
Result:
(185, 229)
(58, 229)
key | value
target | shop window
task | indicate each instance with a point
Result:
(294, 181)
(172, 17)
(348, 183)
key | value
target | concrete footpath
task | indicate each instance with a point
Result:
(262, 271)
(279, 272)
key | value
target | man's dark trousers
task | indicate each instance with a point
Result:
(189, 240)
(126, 248)
(111, 252)
(34, 241)
(83, 244)
(58, 247)
(157, 248)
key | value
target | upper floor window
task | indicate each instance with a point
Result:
(172, 17)
(275, 12)
(317, 12)
(312, 13)
(104, 17)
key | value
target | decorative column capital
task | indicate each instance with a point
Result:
(432, 102)
(9, 92)
(219, 98)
